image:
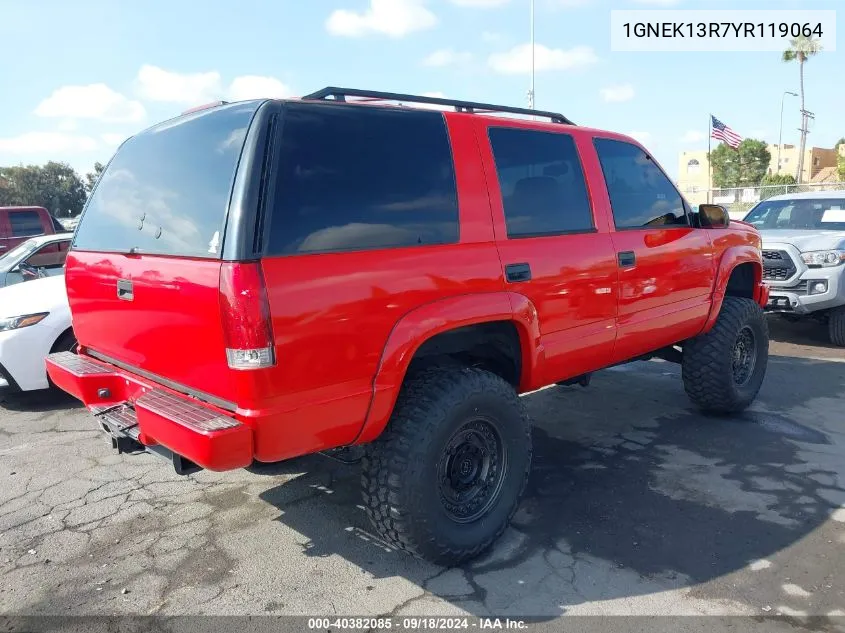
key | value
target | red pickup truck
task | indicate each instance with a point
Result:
(261, 280)
(18, 224)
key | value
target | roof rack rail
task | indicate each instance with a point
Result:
(340, 94)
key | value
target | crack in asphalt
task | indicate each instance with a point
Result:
(658, 503)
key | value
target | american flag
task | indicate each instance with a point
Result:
(722, 132)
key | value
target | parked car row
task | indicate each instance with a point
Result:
(34, 316)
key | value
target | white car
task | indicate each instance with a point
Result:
(42, 256)
(34, 321)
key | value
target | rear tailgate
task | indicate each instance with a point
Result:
(170, 327)
(143, 274)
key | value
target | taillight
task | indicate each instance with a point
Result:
(246, 316)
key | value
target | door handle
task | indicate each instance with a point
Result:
(125, 290)
(518, 272)
(626, 259)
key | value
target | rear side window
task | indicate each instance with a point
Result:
(640, 193)
(542, 183)
(49, 256)
(353, 177)
(166, 191)
(25, 223)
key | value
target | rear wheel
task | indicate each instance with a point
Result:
(836, 326)
(445, 477)
(724, 368)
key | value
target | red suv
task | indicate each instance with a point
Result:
(266, 279)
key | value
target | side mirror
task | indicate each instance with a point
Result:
(713, 216)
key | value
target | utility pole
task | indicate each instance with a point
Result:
(806, 115)
(531, 89)
(780, 133)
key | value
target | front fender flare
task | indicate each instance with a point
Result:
(731, 258)
(428, 320)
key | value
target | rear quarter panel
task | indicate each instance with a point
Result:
(333, 313)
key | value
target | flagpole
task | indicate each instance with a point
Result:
(709, 161)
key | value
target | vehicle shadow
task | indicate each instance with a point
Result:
(806, 332)
(39, 401)
(631, 492)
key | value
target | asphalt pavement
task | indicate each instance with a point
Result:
(637, 505)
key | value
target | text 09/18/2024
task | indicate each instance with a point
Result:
(712, 30)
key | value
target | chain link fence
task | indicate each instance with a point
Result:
(739, 201)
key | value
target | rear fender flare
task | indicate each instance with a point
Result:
(431, 319)
(731, 258)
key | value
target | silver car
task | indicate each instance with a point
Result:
(42, 256)
(804, 256)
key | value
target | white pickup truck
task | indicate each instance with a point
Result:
(804, 256)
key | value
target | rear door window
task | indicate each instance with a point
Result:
(167, 190)
(641, 196)
(25, 223)
(354, 177)
(542, 183)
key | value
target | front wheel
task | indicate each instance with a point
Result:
(724, 369)
(836, 326)
(445, 477)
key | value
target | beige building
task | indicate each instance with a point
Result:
(694, 168)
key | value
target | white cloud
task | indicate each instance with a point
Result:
(447, 57)
(112, 139)
(518, 59)
(618, 94)
(394, 18)
(642, 137)
(431, 106)
(157, 84)
(485, 4)
(46, 143)
(68, 125)
(257, 87)
(94, 101)
(693, 136)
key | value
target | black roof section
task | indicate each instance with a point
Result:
(340, 94)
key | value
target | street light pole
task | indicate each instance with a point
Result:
(780, 134)
(531, 89)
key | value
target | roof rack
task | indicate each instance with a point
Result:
(205, 106)
(340, 94)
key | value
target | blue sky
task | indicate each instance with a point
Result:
(80, 76)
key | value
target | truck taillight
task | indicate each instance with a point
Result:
(246, 316)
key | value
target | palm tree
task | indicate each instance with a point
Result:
(801, 49)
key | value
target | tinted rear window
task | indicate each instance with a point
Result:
(25, 223)
(353, 177)
(167, 190)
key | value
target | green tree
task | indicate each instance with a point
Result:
(92, 177)
(801, 49)
(840, 160)
(741, 167)
(776, 184)
(54, 186)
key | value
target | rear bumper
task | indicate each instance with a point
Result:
(197, 431)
